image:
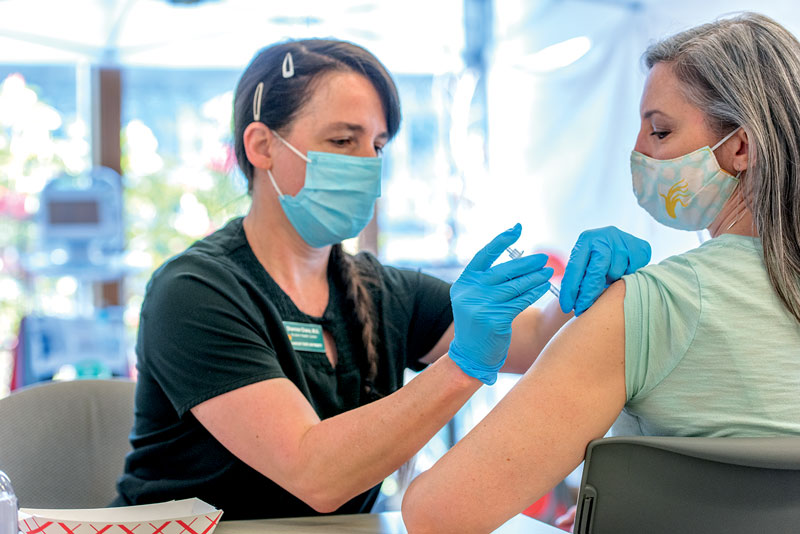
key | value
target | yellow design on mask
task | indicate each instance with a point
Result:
(676, 195)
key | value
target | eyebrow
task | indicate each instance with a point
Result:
(651, 112)
(355, 128)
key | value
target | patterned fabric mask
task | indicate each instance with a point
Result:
(687, 192)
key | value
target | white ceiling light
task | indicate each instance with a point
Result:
(556, 56)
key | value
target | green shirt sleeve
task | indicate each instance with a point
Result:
(662, 310)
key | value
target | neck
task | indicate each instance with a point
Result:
(296, 267)
(735, 218)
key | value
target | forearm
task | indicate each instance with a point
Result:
(345, 455)
(531, 332)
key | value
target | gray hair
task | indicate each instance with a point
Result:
(745, 71)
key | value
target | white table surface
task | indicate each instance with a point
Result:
(383, 523)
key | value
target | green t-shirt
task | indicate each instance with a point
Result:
(709, 348)
(213, 321)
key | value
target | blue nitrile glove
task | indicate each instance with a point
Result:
(486, 300)
(598, 259)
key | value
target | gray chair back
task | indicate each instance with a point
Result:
(63, 444)
(671, 484)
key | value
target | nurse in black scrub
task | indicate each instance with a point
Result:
(271, 361)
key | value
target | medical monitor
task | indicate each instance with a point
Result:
(83, 209)
(75, 212)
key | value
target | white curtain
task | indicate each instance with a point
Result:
(560, 138)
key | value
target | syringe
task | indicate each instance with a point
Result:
(514, 253)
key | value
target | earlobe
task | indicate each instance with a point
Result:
(257, 142)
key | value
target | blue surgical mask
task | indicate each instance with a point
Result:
(687, 192)
(338, 198)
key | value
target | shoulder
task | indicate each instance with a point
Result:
(222, 243)
(674, 268)
(667, 289)
(206, 263)
(672, 281)
(190, 265)
(683, 277)
(382, 279)
(408, 295)
(728, 255)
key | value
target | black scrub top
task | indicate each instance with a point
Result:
(211, 322)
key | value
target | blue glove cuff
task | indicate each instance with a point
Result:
(487, 375)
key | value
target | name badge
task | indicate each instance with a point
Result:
(305, 336)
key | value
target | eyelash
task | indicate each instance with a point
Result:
(343, 142)
(661, 134)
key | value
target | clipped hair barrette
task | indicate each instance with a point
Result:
(287, 69)
(257, 101)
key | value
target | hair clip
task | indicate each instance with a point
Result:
(287, 69)
(257, 101)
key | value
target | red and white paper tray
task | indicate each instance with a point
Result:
(188, 516)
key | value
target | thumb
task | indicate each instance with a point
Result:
(488, 254)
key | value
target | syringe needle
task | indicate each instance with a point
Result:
(555, 291)
(514, 253)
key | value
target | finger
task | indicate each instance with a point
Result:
(640, 253)
(525, 300)
(511, 289)
(514, 268)
(618, 264)
(573, 273)
(488, 254)
(593, 284)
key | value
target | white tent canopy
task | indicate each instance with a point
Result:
(224, 33)
(561, 119)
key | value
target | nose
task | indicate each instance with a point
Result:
(368, 151)
(641, 143)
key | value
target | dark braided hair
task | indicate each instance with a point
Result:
(281, 100)
(358, 283)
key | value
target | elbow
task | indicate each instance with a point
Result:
(324, 505)
(319, 495)
(418, 515)
(428, 508)
(320, 500)
(324, 489)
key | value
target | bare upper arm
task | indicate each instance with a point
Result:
(537, 434)
(262, 424)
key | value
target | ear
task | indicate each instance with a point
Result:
(258, 140)
(741, 149)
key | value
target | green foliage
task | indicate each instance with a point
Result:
(153, 204)
(29, 155)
